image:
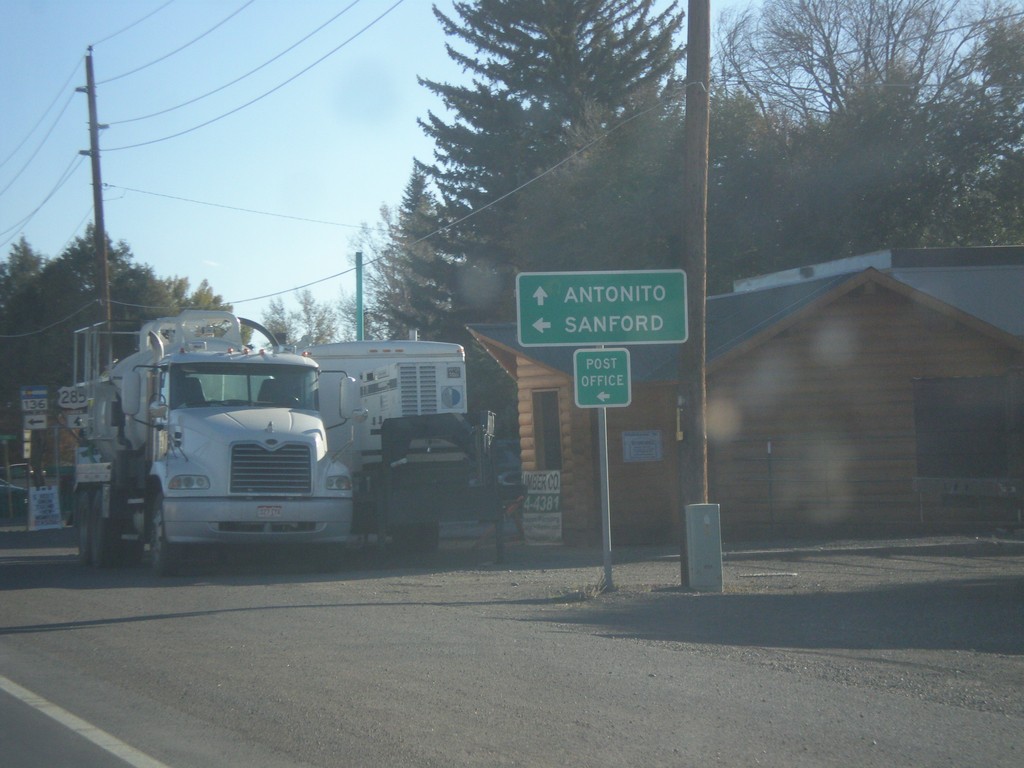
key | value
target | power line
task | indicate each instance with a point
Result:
(243, 77)
(85, 217)
(264, 95)
(42, 116)
(51, 325)
(179, 50)
(232, 207)
(134, 23)
(658, 105)
(65, 176)
(447, 226)
(40, 145)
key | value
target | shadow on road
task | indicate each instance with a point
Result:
(982, 615)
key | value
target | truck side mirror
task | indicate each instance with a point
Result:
(131, 392)
(350, 405)
(158, 415)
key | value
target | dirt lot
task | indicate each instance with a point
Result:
(939, 619)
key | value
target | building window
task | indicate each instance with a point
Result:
(546, 429)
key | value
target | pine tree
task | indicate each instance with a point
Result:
(549, 76)
(411, 282)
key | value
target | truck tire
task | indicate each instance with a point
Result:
(165, 557)
(83, 504)
(103, 536)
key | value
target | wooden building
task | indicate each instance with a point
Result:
(881, 391)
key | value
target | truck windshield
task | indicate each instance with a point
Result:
(198, 385)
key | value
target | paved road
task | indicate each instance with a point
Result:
(905, 653)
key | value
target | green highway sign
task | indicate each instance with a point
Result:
(568, 309)
(602, 378)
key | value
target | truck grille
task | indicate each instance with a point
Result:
(254, 469)
(418, 385)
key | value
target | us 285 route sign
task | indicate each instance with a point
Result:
(563, 309)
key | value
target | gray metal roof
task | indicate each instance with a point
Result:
(993, 294)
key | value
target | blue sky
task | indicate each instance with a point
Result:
(329, 137)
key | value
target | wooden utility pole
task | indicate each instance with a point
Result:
(692, 394)
(99, 230)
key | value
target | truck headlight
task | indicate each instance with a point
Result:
(189, 483)
(339, 483)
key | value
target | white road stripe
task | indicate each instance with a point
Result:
(97, 736)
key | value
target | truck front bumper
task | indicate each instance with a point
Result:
(227, 520)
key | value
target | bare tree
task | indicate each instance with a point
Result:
(807, 58)
(314, 322)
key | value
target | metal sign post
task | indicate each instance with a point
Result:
(606, 507)
(602, 380)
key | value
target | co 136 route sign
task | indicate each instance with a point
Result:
(571, 309)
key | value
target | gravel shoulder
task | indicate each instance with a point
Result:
(938, 619)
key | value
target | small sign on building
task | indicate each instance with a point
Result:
(542, 513)
(643, 445)
(43, 509)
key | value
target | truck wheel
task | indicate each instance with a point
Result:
(102, 535)
(83, 502)
(165, 556)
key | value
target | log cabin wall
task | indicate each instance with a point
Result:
(644, 491)
(578, 484)
(643, 494)
(815, 427)
(811, 413)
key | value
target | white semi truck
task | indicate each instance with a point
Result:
(195, 438)
(396, 412)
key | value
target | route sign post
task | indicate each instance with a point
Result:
(602, 378)
(590, 308)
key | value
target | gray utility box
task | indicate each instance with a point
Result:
(704, 547)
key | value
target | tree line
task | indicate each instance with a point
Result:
(837, 127)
